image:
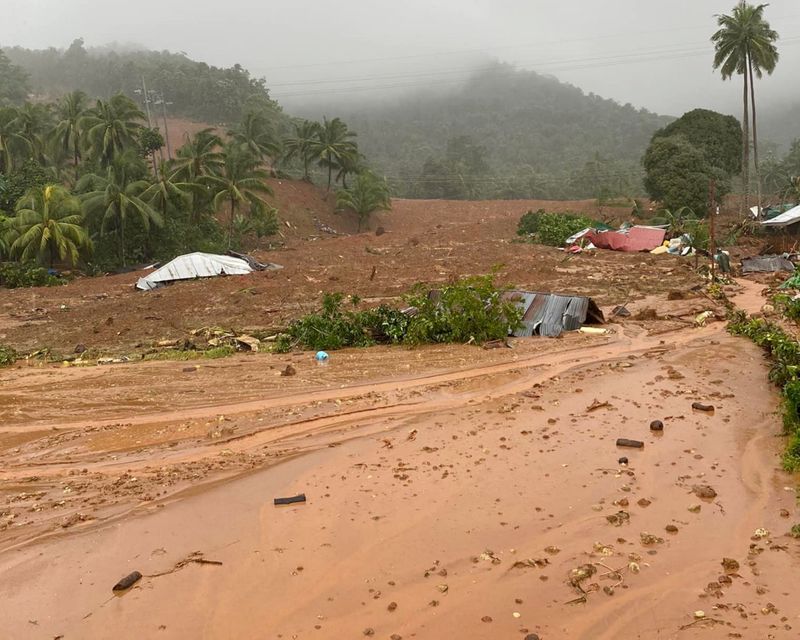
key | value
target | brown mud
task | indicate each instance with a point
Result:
(450, 497)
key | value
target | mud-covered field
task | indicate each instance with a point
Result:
(451, 491)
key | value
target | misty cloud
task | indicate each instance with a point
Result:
(652, 54)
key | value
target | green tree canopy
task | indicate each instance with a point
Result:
(13, 81)
(677, 175)
(111, 127)
(111, 198)
(718, 136)
(48, 225)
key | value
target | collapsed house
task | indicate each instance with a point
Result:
(630, 239)
(201, 265)
(782, 220)
(550, 314)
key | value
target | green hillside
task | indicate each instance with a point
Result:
(507, 133)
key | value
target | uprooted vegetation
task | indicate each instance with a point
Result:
(469, 310)
(551, 228)
(7, 356)
(784, 350)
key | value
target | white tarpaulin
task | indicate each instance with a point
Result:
(194, 265)
(785, 219)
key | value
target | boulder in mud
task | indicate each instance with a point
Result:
(704, 491)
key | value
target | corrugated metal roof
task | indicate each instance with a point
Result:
(766, 264)
(638, 238)
(785, 219)
(194, 265)
(548, 314)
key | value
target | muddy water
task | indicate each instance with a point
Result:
(463, 516)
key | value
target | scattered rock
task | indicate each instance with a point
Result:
(288, 371)
(671, 528)
(704, 491)
(128, 581)
(532, 636)
(622, 460)
(649, 539)
(656, 425)
(486, 619)
(392, 606)
(695, 508)
(80, 348)
(784, 513)
(730, 565)
(625, 442)
(369, 631)
(618, 518)
(644, 502)
(699, 406)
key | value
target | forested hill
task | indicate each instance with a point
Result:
(192, 89)
(507, 133)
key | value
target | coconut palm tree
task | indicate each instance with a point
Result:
(34, 121)
(113, 197)
(368, 194)
(301, 144)
(48, 225)
(13, 143)
(255, 135)
(67, 132)
(199, 156)
(239, 183)
(111, 127)
(745, 45)
(332, 143)
(350, 162)
(167, 192)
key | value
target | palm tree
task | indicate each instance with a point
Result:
(332, 144)
(745, 45)
(302, 144)
(111, 127)
(255, 135)
(67, 133)
(368, 194)
(13, 143)
(240, 182)
(167, 191)
(33, 122)
(114, 197)
(48, 225)
(199, 156)
(350, 162)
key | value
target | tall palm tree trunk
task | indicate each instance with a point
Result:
(230, 224)
(330, 171)
(755, 136)
(122, 240)
(745, 152)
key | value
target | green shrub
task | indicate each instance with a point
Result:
(7, 356)
(784, 351)
(16, 274)
(552, 228)
(471, 309)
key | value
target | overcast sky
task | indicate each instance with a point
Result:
(652, 53)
